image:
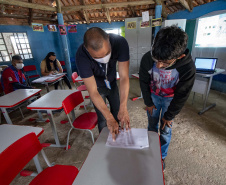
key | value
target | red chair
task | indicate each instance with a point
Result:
(16, 156)
(86, 121)
(75, 79)
(31, 68)
(63, 66)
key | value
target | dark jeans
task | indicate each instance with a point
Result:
(112, 95)
(65, 80)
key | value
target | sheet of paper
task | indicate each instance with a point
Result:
(135, 138)
(41, 79)
(145, 16)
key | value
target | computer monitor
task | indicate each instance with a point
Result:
(205, 64)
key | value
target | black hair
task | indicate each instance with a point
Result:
(16, 57)
(169, 43)
(48, 61)
(94, 38)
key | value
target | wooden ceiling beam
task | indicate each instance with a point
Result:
(25, 17)
(28, 5)
(184, 3)
(108, 15)
(30, 18)
(190, 4)
(108, 5)
(85, 14)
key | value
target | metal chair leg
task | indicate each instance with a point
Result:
(21, 112)
(68, 136)
(91, 135)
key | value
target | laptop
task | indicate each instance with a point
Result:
(205, 65)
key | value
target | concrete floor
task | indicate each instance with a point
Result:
(196, 154)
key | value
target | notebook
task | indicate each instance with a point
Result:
(205, 65)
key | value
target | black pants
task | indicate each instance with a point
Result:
(112, 95)
(65, 80)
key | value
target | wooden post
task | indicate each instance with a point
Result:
(58, 6)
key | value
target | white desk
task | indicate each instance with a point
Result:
(116, 166)
(49, 102)
(202, 85)
(51, 79)
(15, 98)
(11, 133)
(136, 75)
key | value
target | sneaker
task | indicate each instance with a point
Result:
(163, 164)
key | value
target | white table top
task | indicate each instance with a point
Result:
(11, 133)
(116, 166)
(217, 71)
(52, 100)
(48, 79)
(16, 97)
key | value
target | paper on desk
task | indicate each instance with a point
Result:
(136, 138)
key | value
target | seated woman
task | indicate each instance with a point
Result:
(50, 65)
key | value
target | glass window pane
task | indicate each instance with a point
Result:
(20, 51)
(26, 56)
(22, 56)
(1, 59)
(25, 35)
(16, 51)
(28, 46)
(23, 46)
(0, 35)
(1, 41)
(18, 45)
(2, 47)
(4, 53)
(6, 58)
(17, 41)
(26, 40)
(29, 51)
(22, 40)
(20, 35)
(31, 56)
(25, 51)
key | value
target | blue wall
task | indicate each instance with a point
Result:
(219, 81)
(43, 42)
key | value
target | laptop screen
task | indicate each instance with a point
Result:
(205, 63)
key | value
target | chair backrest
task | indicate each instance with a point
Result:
(62, 63)
(74, 76)
(72, 101)
(16, 156)
(29, 68)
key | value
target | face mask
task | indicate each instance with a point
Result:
(19, 65)
(104, 60)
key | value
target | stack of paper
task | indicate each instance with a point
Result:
(136, 138)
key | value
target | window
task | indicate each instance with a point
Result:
(116, 31)
(14, 44)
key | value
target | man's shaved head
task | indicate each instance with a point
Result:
(94, 38)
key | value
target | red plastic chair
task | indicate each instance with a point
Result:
(74, 77)
(63, 66)
(16, 156)
(86, 121)
(31, 68)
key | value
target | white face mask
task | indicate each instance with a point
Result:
(104, 60)
(19, 65)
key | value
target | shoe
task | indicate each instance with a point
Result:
(163, 164)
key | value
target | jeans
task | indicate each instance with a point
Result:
(161, 104)
(65, 78)
(112, 95)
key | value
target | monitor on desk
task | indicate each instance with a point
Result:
(205, 65)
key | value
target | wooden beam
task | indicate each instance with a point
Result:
(184, 3)
(30, 14)
(190, 4)
(86, 16)
(25, 17)
(58, 6)
(108, 15)
(109, 5)
(164, 13)
(28, 5)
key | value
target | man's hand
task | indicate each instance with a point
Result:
(123, 117)
(113, 127)
(150, 109)
(166, 123)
